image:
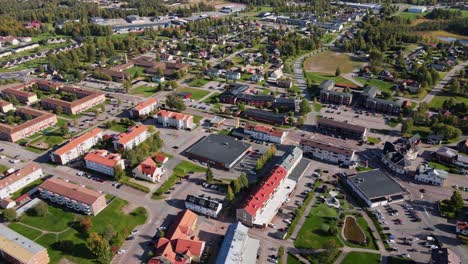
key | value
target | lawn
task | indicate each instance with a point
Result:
(317, 78)
(3, 168)
(197, 119)
(118, 127)
(381, 85)
(27, 188)
(327, 61)
(373, 140)
(56, 220)
(197, 94)
(144, 90)
(213, 99)
(438, 166)
(199, 82)
(182, 169)
(314, 232)
(136, 70)
(410, 16)
(25, 231)
(361, 258)
(293, 259)
(438, 100)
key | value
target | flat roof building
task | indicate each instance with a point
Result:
(237, 246)
(77, 147)
(203, 205)
(328, 151)
(341, 129)
(15, 248)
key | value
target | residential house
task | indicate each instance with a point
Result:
(149, 170)
(398, 155)
(265, 133)
(5, 106)
(430, 175)
(233, 75)
(103, 161)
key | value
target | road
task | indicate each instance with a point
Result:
(442, 83)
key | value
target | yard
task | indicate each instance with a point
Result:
(144, 90)
(182, 169)
(361, 258)
(317, 78)
(199, 82)
(213, 99)
(197, 94)
(3, 168)
(438, 100)
(64, 223)
(327, 61)
(135, 70)
(381, 85)
(119, 127)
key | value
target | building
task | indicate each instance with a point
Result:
(144, 108)
(330, 96)
(448, 155)
(217, 121)
(73, 196)
(398, 155)
(265, 116)
(203, 205)
(461, 228)
(86, 99)
(237, 246)
(329, 152)
(18, 92)
(148, 170)
(218, 151)
(76, 147)
(265, 133)
(179, 245)
(233, 75)
(417, 9)
(374, 187)
(5, 106)
(444, 256)
(117, 76)
(367, 99)
(430, 175)
(291, 156)
(174, 119)
(15, 248)
(104, 162)
(134, 137)
(40, 121)
(18, 179)
(341, 129)
(462, 146)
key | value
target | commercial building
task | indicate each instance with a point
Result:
(134, 137)
(329, 152)
(430, 175)
(203, 205)
(15, 248)
(330, 96)
(5, 106)
(174, 119)
(18, 92)
(76, 147)
(444, 256)
(265, 133)
(218, 151)
(290, 158)
(73, 196)
(265, 116)
(238, 247)
(374, 187)
(144, 108)
(341, 129)
(40, 121)
(179, 245)
(18, 179)
(148, 170)
(86, 99)
(104, 162)
(417, 9)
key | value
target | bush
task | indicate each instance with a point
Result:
(9, 215)
(41, 209)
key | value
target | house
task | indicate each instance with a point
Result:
(451, 156)
(265, 133)
(102, 161)
(18, 179)
(217, 121)
(333, 152)
(132, 138)
(76, 147)
(417, 9)
(284, 83)
(160, 158)
(398, 156)
(462, 146)
(257, 78)
(213, 73)
(179, 244)
(7, 203)
(15, 248)
(434, 139)
(275, 75)
(73, 196)
(148, 170)
(237, 247)
(203, 205)
(174, 119)
(158, 78)
(233, 75)
(144, 108)
(461, 228)
(430, 175)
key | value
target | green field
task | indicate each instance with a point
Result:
(3, 168)
(136, 70)
(293, 259)
(56, 220)
(197, 94)
(373, 140)
(381, 85)
(361, 258)
(199, 82)
(438, 166)
(118, 127)
(144, 90)
(25, 231)
(438, 100)
(182, 169)
(411, 16)
(213, 99)
(327, 61)
(317, 78)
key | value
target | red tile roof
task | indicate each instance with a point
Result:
(265, 130)
(132, 133)
(19, 174)
(77, 141)
(103, 157)
(160, 158)
(148, 166)
(146, 103)
(174, 115)
(70, 190)
(263, 193)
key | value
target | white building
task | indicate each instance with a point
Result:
(174, 119)
(265, 133)
(77, 147)
(275, 75)
(430, 175)
(417, 9)
(328, 152)
(144, 108)
(148, 170)
(134, 137)
(104, 162)
(203, 205)
(19, 179)
(238, 247)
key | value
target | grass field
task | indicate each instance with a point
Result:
(144, 90)
(317, 78)
(118, 127)
(314, 232)
(56, 220)
(293, 259)
(438, 166)
(381, 85)
(361, 258)
(373, 140)
(197, 94)
(25, 231)
(199, 82)
(3, 168)
(136, 70)
(438, 100)
(411, 16)
(327, 61)
(27, 188)
(433, 34)
(213, 99)
(180, 170)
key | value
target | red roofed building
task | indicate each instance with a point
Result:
(160, 158)
(77, 147)
(104, 162)
(40, 121)
(18, 91)
(265, 133)
(174, 119)
(86, 99)
(144, 108)
(132, 138)
(148, 170)
(18, 179)
(258, 201)
(179, 245)
(6, 106)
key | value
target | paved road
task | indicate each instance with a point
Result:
(442, 83)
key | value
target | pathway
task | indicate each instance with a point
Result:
(303, 217)
(440, 86)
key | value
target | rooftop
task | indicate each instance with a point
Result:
(132, 133)
(70, 190)
(19, 174)
(237, 246)
(327, 146)
(143, 105)
(376, 183)
(73, 143)
(17, 245)
(265, 130)
(342, 125)
(103, 157)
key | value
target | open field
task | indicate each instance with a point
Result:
(381, 85)
(433, 34)
(199, 82)
(327, 61)
(317, 78)
(144, 90)
(197, 94)
(438, 100)
(411, 16)
(361, 258)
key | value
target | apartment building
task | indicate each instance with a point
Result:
(426, 174)
(148, 170)
(103, 161)
(18, 92)
(86, 100)
(203, 205)
(5, 106)
(341, 129)
(73, 196)
(238, 247)
(15, 248)
(144, 108)
(41, 120)
(265, 133)
(265, 116)
(368, 100)
(174, 119)
(330, 96)
(77, 147)
(132, 138)
(328, 152)
(18, 179)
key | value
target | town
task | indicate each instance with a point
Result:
(271, 131)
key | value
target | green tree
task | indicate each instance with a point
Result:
(119, 173)
(41, 209)
(241, 106)
(337, 71)
(244, 181)
(86, 224)
(456, 201)
(175, 103)
(375, 57)
(230, 194)
(127, 85)
(455, 87)
(108, 233)
(59, 110)
(9, 214)
(209, 175)
(407, 126)
(236, 186)
(305, 107)
(300, 121)
(99, 247)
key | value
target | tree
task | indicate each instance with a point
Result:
(86, 224)
(407, 126)
(304, 107)
(457, 201)
(455, 87)
(241, 106)
(230, 194)
(337, 71)
(119, 173)
(175, 103)
(108, 233)
(64, 130)
(300, 121)
(41, 209)
(236, 186)
(59, 110)
(99, 247)
(244, 181)
(65, 245)
(375, 57)
(173, 84)
(127, 84)
(9, 214)
(209, 175)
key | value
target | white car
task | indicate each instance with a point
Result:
(272, 225)
(391, 241)
(122, 251)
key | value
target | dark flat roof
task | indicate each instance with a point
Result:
(376, 183)
(219, 148)
(341, 125)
